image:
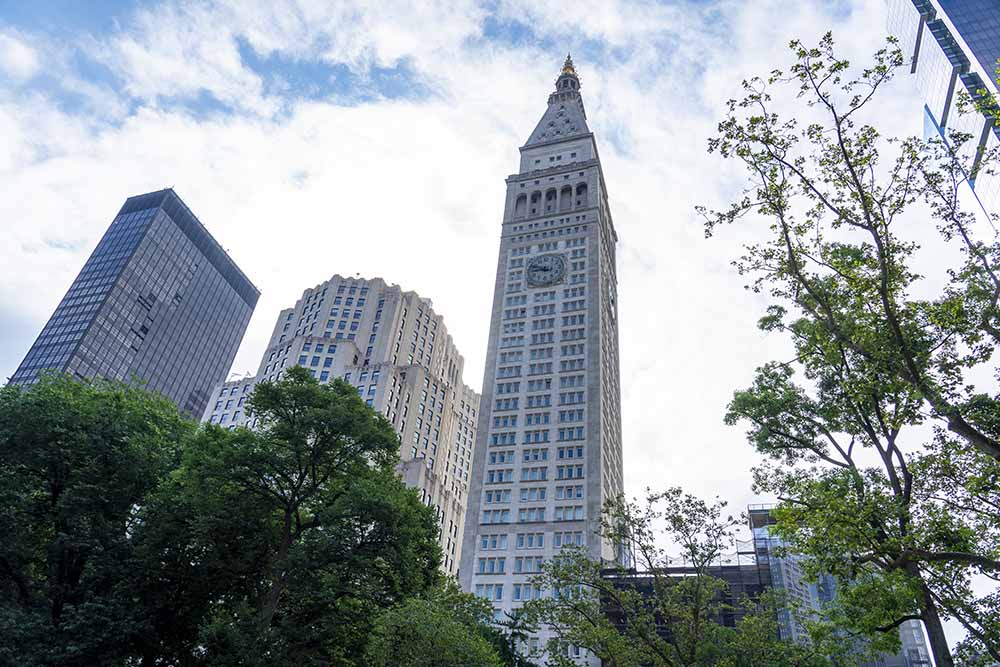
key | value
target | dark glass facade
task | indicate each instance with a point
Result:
(158, 302)
(978, 21)
(953, 46)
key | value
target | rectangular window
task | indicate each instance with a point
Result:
(493, 542)
(500, 496)
(544, 384)
(493, 592)
(565, 539)
(499, 476)
(492, 565)
(496, 516)
(533, 474)
(539, 401)
(502, 457)
(571, 416)
(530, 541)
(569, 513)
(536, 455)
(569, 492)
(530, 514)
(533, 494)
(526, 592)
(528, 564)
(569, 472)
(569, 452)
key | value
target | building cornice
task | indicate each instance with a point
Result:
(559, 140)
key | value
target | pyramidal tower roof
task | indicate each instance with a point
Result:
(565, 117)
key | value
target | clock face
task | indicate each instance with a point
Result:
(545, 270)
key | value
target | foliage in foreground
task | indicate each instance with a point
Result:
(445, 628)
(75, 461)
(884, 448)
(131, 537)
(303, 531)
(643, 615)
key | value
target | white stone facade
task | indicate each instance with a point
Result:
(548, 453)
(396, 350)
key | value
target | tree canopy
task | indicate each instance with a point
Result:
(76, 463)
(882, 436)
(134, 537)
(648, 613)
(445, 628)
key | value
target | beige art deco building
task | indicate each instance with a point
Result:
(396, 350)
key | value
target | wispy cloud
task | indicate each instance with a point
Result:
(18, 60)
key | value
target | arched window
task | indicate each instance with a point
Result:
(581, 194)
(520, 205)
(550, 199)
(566, 198)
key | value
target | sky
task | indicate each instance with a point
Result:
(318, 137)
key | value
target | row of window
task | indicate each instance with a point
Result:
(545, 338)
(538, 453)
(543, 353)
(532, 494)
(498, 565)
(538, 401)
(533, 474)
(541, 368)
(543, 384)
(533, 514)
(498, 541)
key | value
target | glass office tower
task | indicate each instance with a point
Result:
(158, 302)
(953, 47)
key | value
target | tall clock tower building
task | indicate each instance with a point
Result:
(548, 451)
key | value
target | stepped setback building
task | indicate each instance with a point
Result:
(548, 451)
(396, 350)
(158, 301)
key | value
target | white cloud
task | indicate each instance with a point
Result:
(18, 59)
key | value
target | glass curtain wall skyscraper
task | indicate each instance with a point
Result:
(158, 301)
(953, 47)
(803, 599)
(548, 450)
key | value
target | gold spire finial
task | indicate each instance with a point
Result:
(568, 66)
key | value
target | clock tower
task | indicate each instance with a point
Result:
(548, 450)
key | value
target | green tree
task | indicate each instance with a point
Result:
(77, 460)
(510, 634)
(642, 613)
(444, 628)
(284, 544)
(906, 514)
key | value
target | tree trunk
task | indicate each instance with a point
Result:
(279, 574)
(935, 632)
